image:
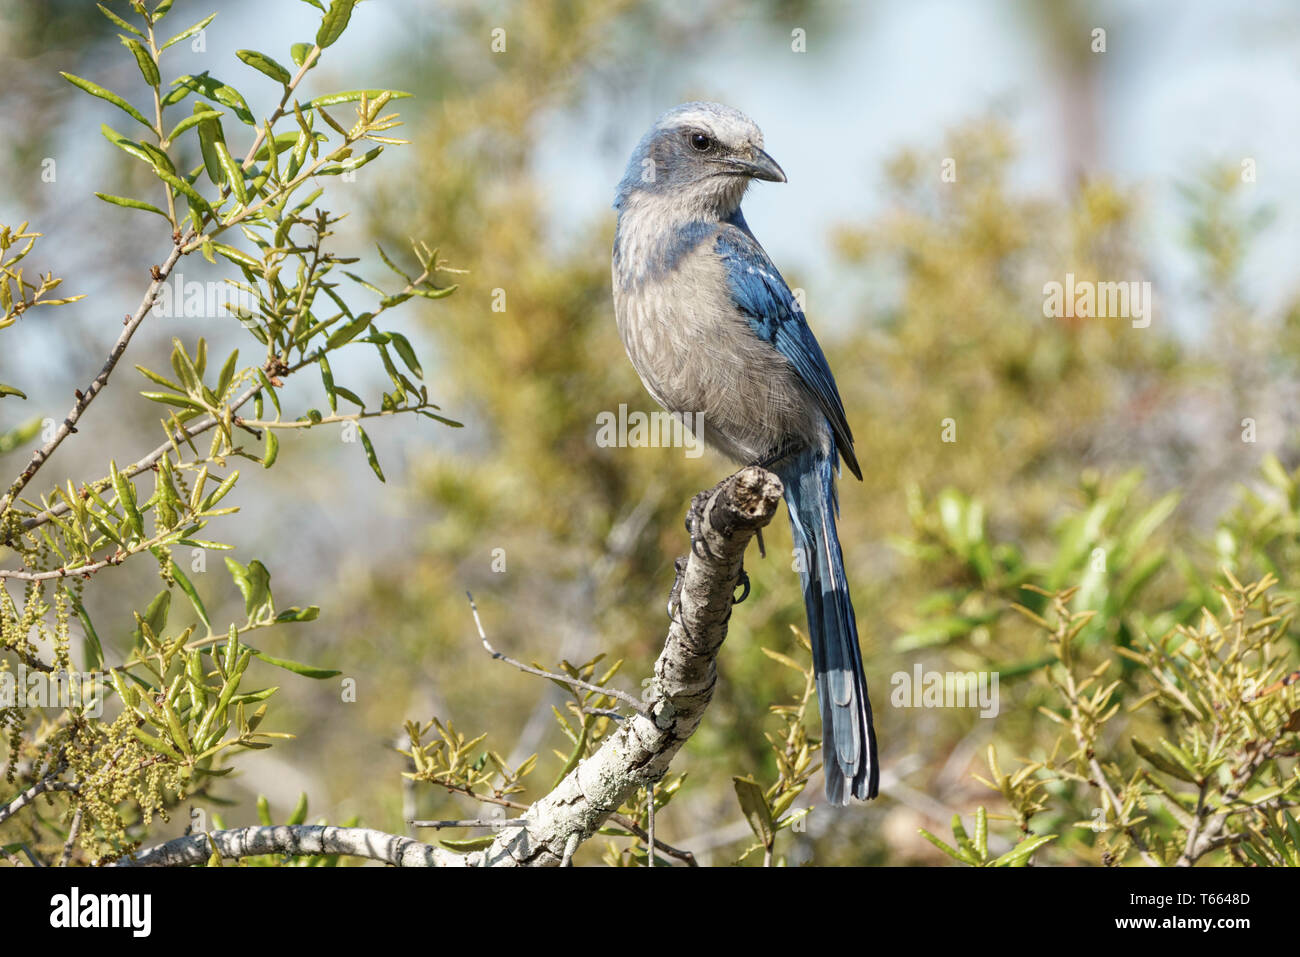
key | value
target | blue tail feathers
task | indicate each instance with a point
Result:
(848, 737)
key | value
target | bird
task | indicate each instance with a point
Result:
(717, 337)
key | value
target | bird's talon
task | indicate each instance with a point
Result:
(695, 527)
(742, 581)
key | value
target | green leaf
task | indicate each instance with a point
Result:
(407, 354)
(227, 375)
(210, 134)
(272, 450)
(297, 667)
(352, 96)
(299, 52)
(155, 616)
(190, 193)
(202, 113)
(264, 64)
(21, 435)
(254, 583)
(347, 167)
(181, 401)
(94, 89)
(349, 395)
(214, 89)
(129, 203)
(439, 418)
(114, 18)
(192, 594)
(1019, 855)
(11, 390)
(370, 453)
(467, 844)
(238, 257)
(1162, 763)
(148, 68)
(754, 806)
(283, 141)
(334, 22)
(187, 33)
(94, 649)
(346, 334)
(943, 846)
(154, 157)
(310, 613)
(299, 811)
(964, 843)
(232, 173)
(157, 745)
(126, 497)
(219, 492)
(327, 379)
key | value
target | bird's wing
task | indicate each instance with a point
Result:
(760, 293)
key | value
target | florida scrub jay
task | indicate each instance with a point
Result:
(713, 329)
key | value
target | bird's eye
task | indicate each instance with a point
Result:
(700, 142)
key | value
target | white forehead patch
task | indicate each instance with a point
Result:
(727, 125)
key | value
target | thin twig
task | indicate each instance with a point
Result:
(72, 839)
(614, 693)
(650, 822)
(88, 394)
(50, 782)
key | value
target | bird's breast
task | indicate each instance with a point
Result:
(696, 353)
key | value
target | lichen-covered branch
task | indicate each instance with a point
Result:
(295, 840)
(640, 752)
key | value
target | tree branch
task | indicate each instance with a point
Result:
(297, 840)
(642, 749)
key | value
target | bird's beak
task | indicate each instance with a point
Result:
(761, 166)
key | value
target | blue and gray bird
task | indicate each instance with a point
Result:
(714, 330)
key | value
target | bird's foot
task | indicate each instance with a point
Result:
(742, 581)
(695, 525)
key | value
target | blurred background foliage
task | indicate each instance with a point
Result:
(1088, 453)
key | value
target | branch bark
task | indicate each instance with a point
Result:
(296, 840)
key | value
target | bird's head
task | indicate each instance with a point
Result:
(700, 157)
